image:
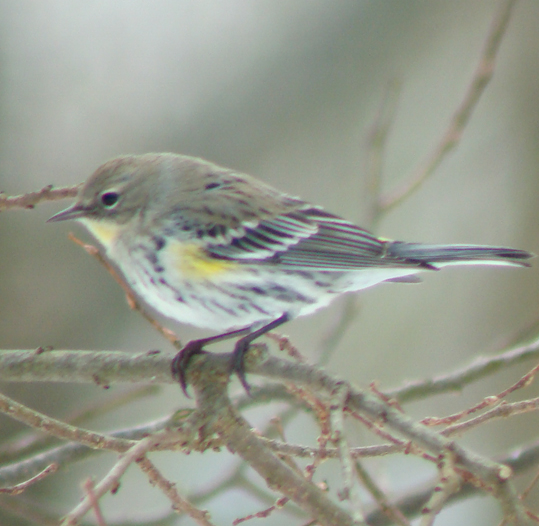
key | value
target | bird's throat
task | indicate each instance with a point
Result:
(105, 232)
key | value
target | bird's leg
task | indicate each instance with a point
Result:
(236, 364)
(180, 362)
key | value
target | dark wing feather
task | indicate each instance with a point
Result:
(268, 237)
(310, 239)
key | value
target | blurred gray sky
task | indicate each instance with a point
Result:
(286, 91)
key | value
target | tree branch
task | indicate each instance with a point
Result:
(31, 199)
(482, 76)
(481, 367)
(212, 399)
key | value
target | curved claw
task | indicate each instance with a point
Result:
(178, 366)
(180, 362)
(236, 363)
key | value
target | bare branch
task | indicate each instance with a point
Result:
(448, 484)
(376, 148)
(60, 429)
(23, 486)
(414, 500)
(453, 134)
(489, 401)
(110, 481)
(95, 367)
(28, 442)
(480, 368)
(104, 367)
(229, 424)
(72, 452)
(132, 300)
(31, 199)
(88, 486)
(180, 504)
(502, 411)
(91, 365)
(493, 475)
(350, 490)
(383, 502)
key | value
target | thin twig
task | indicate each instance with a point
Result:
(489, 401)
(212, 399)
(376, 149)
(449, 484)
(88, 487)
(74, 452)
(502, 411)
(58, 428)
(262, 514)
(179, 504)
(350, 490)
(494, 476)
(132, 300)
(31, 199)
(453, 134)
(110, 481)
(23, 486)
(25, 443)
(481, 367)
(385, 506)
(413, 501)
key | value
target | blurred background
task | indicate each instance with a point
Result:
(285, 91)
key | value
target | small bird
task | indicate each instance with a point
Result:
(218, 249)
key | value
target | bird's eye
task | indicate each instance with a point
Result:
(109, 199)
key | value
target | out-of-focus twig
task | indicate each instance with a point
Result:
(491, 474)
(132, 300)
(379, 496)
(23, 486)
(31, 199)
(449, 483)
(412, 502)
(180, 504)
(58, 428)
(453, 134)
(212, 399)
(376, 150)
(481, 367)
(110, 481)
(88, 487)
(489, 401)
(350, 489)
(25, 443)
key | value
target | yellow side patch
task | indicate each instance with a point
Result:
(104, 231)
(192, 262)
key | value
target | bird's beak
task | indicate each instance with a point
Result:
(75, 211)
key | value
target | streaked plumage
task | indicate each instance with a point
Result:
(218, 249)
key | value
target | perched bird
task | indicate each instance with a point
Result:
(218, 249)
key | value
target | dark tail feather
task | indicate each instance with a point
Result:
(441, 255)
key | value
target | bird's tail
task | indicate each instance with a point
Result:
(437, 256)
